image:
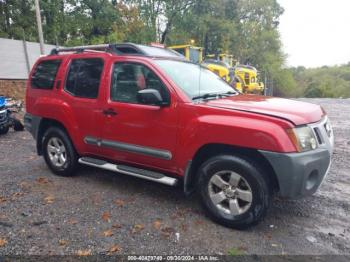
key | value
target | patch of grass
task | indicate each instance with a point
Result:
(235, 252)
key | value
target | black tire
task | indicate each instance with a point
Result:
(252, 175)
(70, 165)
(4, 130)
(17, 126)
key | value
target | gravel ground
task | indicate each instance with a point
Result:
(99, 212)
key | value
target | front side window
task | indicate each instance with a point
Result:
(84, 76)
(129, 78)
(45, 74)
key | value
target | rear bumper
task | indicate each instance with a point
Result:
(299, 174)
(31, 124)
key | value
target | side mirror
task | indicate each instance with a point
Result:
(150, 97)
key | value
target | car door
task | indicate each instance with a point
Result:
(82, 94)
(134, 132)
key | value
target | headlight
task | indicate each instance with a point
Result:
(303, 138)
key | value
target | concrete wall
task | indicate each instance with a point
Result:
(13, 62)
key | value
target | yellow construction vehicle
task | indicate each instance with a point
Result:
(192, 53)
(242, 77)
(220, 68)
(246, 78)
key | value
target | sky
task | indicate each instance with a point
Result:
(315, 33)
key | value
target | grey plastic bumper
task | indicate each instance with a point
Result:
(31, 124)
(299, 174)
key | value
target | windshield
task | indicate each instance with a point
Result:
(194, 79)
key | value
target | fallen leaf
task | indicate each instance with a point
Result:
(17, 194)
(199, 222)
(183, 227)
(72, 221)
(116, 226)
(49, 199)
(157, 224)
(274, 245)
(108, 233)
(114, 249)
(119, 203)
(106, 216)
(3, 242)
(42, 180)
(179, 214)
(167, 231)
(84, 252)
(269, 237)
(3, 199)
(62, 242)
(137, 228)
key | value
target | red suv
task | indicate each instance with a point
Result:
(146, 112)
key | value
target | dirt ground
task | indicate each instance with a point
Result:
(98, 212)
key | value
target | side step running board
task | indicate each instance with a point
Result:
(127, 170)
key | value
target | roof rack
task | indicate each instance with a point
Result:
(122, 49)
(58, 50)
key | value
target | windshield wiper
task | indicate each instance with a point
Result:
(214, 95)
(206, 96)
(229, 93)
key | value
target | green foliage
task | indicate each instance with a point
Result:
(235, 252)
(247, 29)
(322, 82)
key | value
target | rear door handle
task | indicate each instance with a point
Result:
(109, 112)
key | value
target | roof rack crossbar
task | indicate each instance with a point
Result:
(103, 47)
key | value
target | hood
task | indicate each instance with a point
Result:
(297, 112)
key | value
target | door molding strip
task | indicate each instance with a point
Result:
(147, 151)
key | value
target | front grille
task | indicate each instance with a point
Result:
(318, 135)
(324, 134)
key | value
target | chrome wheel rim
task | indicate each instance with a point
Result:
(230, 193)
(56, 152)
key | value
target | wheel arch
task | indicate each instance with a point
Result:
(210, 150)
(44, 125)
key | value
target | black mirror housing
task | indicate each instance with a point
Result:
(150, 97)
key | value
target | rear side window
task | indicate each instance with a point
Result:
(84, 76)
(44, 74)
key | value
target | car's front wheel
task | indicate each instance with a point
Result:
(4, 130)
(234, 192)
(59, 152)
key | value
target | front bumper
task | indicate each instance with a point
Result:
(301, 174)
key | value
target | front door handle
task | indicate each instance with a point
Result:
(109, 112)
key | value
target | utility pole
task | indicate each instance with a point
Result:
(40, 28)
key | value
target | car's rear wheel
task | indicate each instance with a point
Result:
(234, 192)
(59, 152)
